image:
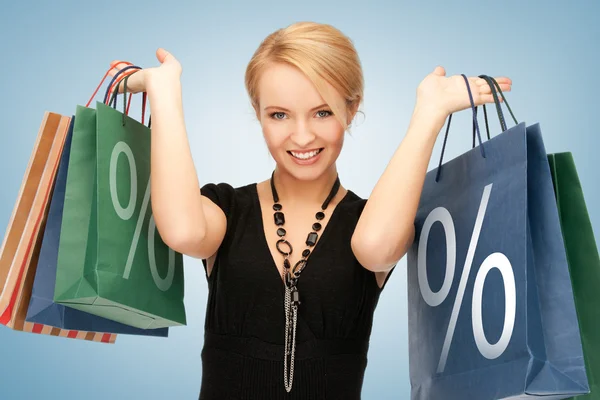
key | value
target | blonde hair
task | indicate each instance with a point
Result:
(322, 53)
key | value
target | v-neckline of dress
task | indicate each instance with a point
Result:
(265, 244)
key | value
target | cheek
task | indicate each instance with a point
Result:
(331, 132)
(274, 134)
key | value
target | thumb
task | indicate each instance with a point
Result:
(164, 56)
(439, 71)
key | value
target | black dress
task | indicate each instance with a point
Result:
(242, 357)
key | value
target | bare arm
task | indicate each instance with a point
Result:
(188, 222)
(385, 229)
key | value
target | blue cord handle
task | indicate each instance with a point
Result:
(474, 110)
(116, 77)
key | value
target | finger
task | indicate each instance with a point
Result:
(439, 71)
(163, 55)
(487, 99)
(476, 82)
(503, 80)
(477, 86)
(485, 89)
(118, 84)
(117, 65)
(500, 80)
(483, 85)
(113, 72)
(503, 87)
(116, 70)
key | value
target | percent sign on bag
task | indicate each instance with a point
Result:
(129, 274)
(469, 276)
(495, 260)
(142, 261)
(490, 306)
(127, 213)
(508, 328)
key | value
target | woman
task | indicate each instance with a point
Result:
(296, 263)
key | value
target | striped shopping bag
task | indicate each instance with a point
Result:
(21, 243)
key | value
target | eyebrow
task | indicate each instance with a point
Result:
(285, 109)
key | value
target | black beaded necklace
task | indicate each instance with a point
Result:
(291, 275)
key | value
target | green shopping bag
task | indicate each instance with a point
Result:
(583, 259)
(111, 260)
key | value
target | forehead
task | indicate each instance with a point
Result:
(286, 86)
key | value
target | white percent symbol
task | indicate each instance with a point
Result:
(494, 260)
(126, 213)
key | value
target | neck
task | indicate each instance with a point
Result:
(293, 191)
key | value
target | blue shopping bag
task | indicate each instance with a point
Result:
(42, 308)
(491, 308)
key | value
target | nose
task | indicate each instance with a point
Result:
(302, 135)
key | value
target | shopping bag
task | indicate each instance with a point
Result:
(584, 262)
(491, 308)
(111, 260)
(30, 211)
(19, 322)
(41, 308)
(20, 248)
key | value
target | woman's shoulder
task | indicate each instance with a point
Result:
(226, 196)
(352, 197)
(352, 204)
(227, 188)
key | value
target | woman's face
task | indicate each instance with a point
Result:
(301, 132)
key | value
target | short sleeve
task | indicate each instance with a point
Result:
(387, 278)
(222, 194)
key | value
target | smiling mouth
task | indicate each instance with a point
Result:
(304, 155)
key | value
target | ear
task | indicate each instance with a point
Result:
(352, 110)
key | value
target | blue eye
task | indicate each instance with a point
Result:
(278, 115)
(324, 113)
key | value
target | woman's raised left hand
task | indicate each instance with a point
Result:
(444, 95)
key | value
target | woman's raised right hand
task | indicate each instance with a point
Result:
(168, 70)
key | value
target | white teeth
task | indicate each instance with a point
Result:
(305, 156)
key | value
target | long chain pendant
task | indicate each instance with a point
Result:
(291, 319)
(291, 274)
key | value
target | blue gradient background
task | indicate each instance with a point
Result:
(54, 53)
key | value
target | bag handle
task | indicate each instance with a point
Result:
(495, 88)
(126, 103)
(114, 86)
(487, 127)
(113, 91)
(475, 123)
(127, 70)
(102, 81)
